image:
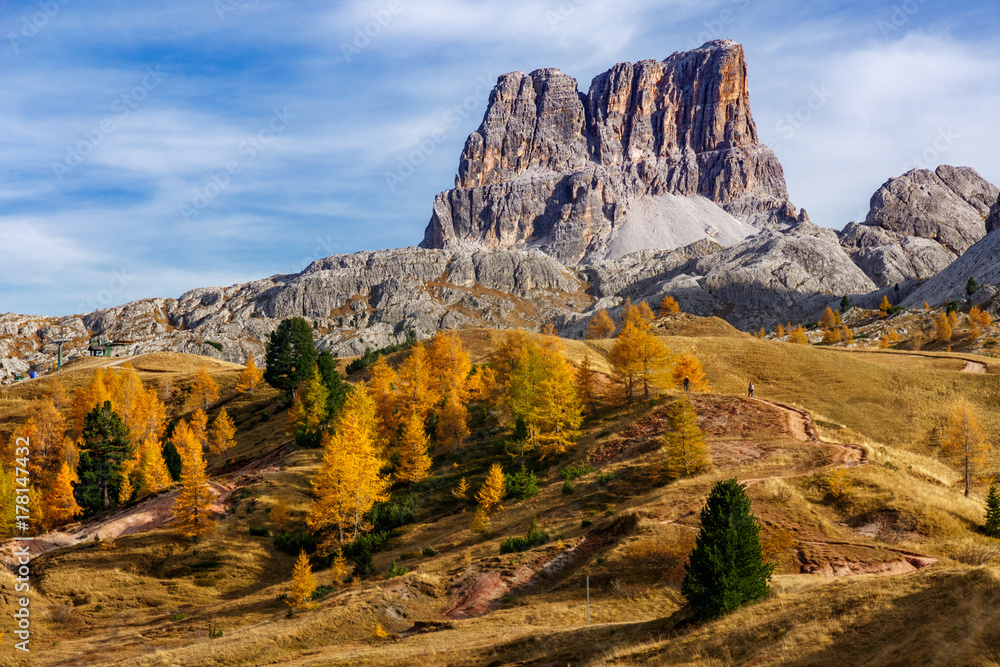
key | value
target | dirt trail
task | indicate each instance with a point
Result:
(974, 367)
(971, 365)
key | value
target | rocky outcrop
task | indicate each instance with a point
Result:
(919, 223)
(981, 261)
(592, 177)
(993, 219)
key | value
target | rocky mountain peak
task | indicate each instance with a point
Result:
(649, 142)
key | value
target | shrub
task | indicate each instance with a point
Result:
(428, 551)
(586, 523)
(396, 571)
(572, 473)
(214, 631)
(217, 346)
(534, 538)
(321, 591)
(392, 513)
(837, 483)
(293, 543)
(179, 616)
(521, 485)
(259, 531)
(605, 477)
(568, 487)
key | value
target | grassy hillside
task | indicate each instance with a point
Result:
(914, 578)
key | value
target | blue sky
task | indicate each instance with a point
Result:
(148, 150)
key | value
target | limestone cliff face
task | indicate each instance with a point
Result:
(567, 172)
(919, 223)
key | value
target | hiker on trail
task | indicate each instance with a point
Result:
(750, 390)
(687, 383)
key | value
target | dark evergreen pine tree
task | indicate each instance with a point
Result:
(291, 355)
(105, 448)
(327, 365)
(726, 569)
(992, 527)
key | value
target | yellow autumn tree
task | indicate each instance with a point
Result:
(350, 478)
(980, 317)
(308, 411)
(303, 583)
(60, 505)
(942, 328)
(251, 377)
(462, 490)
(222, 434)
(414, 462)
(204, 390)
(191, 510)
(417, 390)
(198, 424)
(452, 426)
(450, 365)
(828, 320)
(382, 387)
(537, 386)
(338, 569)
(798, 336)
(779, 331)
(278, 516)
(965, 445)
(153, 473)
(586, 382)
(883, 308)
(601, 326)
(669, 306)
(490, 495)
(687, 366)
(638, 357)
(684, 446)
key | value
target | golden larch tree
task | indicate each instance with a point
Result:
(942, 328)
(798, 336)
(601, 326)
(382, 387)
(278, 516)
(883, 308)
(308, 411)
(684, 446)
(779, 331)
(60, 505)
(414, 462)
(559, 412)
(828, 320)
(417, 390)
(199, 426)
(338, 569)
(350, 478)
(251, 377)
(154, 476)
(490, 495)
(303, 583)
(450, 365)
(204, 390)
(965, 446)
(638, 357)
(687, 366)
(222, 434)
(669, 306)
(191, 511)
(452, 425)
(586, 382)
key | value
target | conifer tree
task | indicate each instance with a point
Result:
(278, 516)
(726, 570)
(450, 365)
(60, 506)
(492, 491)
(586, 383)
(943, 330)
(601, 326)
(685, 448)
(688, 366)
(291, 354)
(462, 490)
(382, 387)
(222, 434)
(199, 427)
(452, 426)
(303, 583)
(828, 320)
(308, 412)
(992, 527)
(191, 510)
(779, 331)
(336, 388)
(104, 449)
(965, 445)
(638, 357)
(414, 462)
(669, 306)
(884, 307)
(338, 569)
(350, 478)
(8, 499)
(798, 336)
(251, 377)
(417, 390)
(153, 473)
(204, 390)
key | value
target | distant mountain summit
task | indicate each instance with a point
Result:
(657, 155)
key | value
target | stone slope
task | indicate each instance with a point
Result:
(981, 261)
(565, 172)
(919, 223)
